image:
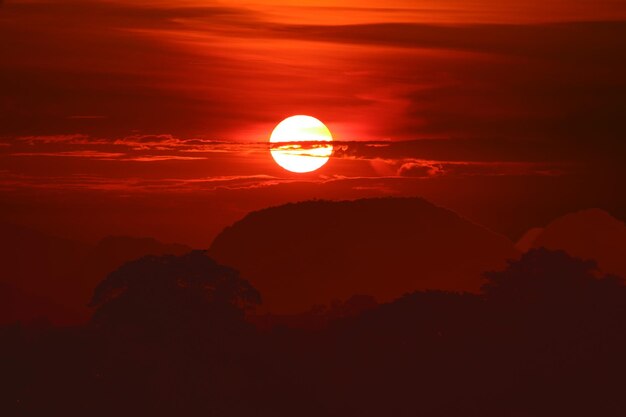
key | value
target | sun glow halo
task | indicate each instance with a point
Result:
(301, 144)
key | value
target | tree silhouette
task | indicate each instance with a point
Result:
(544, 276)
(169, 337)
(163, 293)
(173, 336)
(549, 293)
(559, 328)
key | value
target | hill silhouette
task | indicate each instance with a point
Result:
(32, 277)
(588, 234)
(304, 254)
(54, 277)
(17, 305)
(27, 253)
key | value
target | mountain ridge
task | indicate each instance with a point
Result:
(327, 245)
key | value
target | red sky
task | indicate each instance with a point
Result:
(151, 117)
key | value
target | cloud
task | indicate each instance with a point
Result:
(11, 182)
(109, 156)
(123, 62)
(477, 150)
(223, 72)
(86, 117)
(141, 148)
(547, 41)
(106, 156)
(72, 139)
(170, 142)
(420, 169)
(435, 149)
(425, 158)
(211, 82)
(157, 158)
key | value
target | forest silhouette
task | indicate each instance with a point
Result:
(175, 335)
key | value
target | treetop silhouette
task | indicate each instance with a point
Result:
(170, 292)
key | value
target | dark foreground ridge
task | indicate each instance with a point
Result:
(545, 337)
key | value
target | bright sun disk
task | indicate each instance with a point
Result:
(301, 144)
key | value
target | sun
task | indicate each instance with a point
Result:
(301, 144)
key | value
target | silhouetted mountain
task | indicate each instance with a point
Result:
(17, 305)
(588, 234)
(34, 267)
(27, 255)
(303, 254)
(61, 273)
(526, 241)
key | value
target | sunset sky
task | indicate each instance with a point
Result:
(151, 118)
